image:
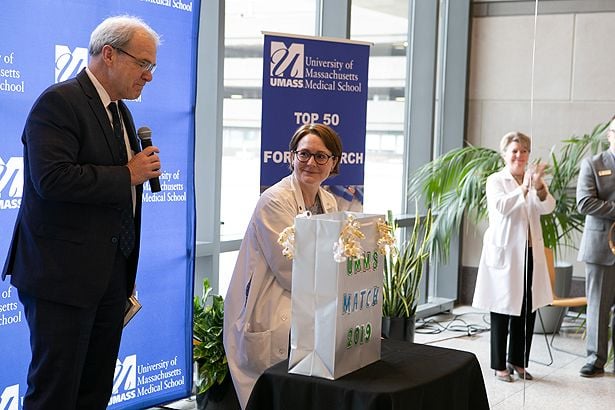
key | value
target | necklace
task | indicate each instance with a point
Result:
(316, 208)
(518, 178)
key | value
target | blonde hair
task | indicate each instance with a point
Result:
(515, 136)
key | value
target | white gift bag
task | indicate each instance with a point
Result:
(336, 307)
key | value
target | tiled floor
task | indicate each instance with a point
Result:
(557, 386)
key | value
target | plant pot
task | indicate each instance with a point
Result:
(219, 397)
(398, 328)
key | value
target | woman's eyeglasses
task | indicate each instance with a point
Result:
(321, 158)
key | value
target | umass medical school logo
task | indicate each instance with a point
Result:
(124, 380)
(69, 63)
(286, 65)
(9, 399)
(11, 184)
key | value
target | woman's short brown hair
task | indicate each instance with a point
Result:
(515, 136)
(328, 136)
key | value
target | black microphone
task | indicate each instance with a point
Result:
(145, 135)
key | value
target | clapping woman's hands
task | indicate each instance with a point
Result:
(537, 171)
(533, 177)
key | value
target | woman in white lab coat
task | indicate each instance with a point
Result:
(257, 304)
(513, 280)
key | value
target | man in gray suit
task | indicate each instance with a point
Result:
(596, 200)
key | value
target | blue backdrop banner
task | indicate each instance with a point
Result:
(45, 42)
(309, 80)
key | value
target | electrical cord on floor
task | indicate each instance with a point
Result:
(432, 326)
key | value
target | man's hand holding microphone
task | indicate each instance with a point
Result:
(145, 165)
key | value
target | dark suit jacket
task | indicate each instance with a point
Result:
(67, 229)
(596, 200)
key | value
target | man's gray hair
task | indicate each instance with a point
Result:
(117, 31)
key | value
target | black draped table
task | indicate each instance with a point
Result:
(408, 376)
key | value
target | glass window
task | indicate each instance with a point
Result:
(243, 66)
(384, 24)
(227, 264)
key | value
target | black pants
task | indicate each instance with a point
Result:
(74, 350)
(519, 328)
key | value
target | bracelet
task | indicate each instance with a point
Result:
(543, 188)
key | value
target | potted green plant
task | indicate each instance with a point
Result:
(214, 385)
(403, 269)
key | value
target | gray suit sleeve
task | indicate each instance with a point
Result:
(594, 192)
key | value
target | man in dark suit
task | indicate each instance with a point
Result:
(596, 199)
(74, 251)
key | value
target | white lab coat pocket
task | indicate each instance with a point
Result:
(255, 350)
(495, 256)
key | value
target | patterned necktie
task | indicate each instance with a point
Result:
(127, 233)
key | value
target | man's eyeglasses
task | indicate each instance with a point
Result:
(321, 158)
(145, 65)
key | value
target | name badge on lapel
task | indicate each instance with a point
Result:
(604, 172)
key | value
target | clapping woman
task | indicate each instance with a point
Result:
(513, 280)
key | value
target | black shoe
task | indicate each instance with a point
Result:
(589, 370)
(504, 377)
(523, 374)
